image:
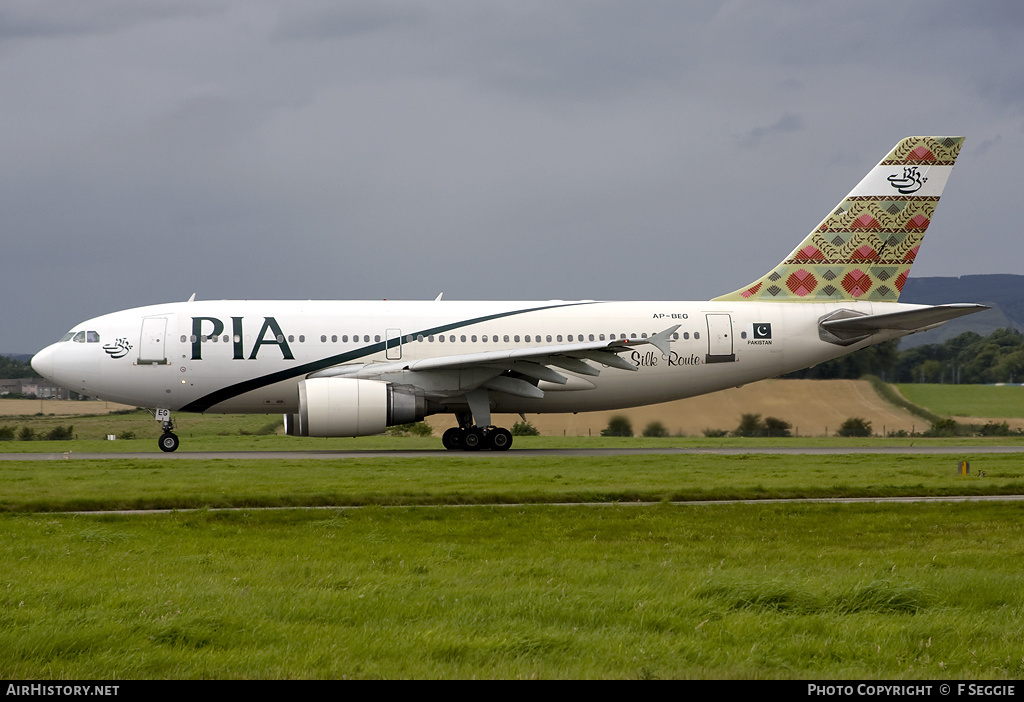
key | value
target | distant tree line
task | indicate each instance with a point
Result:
(12, 368)
(967, 358)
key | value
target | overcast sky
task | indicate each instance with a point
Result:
(489, 150)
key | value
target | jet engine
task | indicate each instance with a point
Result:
(352, 407)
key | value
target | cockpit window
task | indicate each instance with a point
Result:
(79, 338)
(92, 337)
(67, 337)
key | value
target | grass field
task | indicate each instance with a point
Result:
(714, 591)
(981, 401)
(461, 565)
(447, 588)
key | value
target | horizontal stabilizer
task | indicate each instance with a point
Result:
(850, 328)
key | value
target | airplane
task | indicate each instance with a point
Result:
(353, 368)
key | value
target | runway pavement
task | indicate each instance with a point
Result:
(523, 453)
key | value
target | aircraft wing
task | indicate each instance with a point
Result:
(853, 328)
(536, 363)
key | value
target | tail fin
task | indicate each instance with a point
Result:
(864, 249)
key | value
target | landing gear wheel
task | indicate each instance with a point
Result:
(499, 439)
(473, 440)
(452, 439)
(168, 442)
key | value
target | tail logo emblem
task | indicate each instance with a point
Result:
(910, 182)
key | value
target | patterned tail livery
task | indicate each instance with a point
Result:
(864, 249)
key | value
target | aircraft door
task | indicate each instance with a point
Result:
(393, 344)
(152, 345)
(720, 346)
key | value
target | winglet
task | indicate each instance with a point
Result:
(663, 339)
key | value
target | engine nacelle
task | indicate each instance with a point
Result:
(351, 407)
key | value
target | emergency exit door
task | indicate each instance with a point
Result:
(393, 345)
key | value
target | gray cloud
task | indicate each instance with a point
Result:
(396, 149)
(785, 124)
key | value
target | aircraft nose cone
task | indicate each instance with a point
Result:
(42, 362)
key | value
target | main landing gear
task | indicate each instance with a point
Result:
(477, 438)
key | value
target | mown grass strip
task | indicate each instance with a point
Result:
(75, 485)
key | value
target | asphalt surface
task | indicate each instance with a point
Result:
(525, 453)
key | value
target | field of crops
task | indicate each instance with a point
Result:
(976, 401)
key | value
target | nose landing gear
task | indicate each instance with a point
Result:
(168, 440)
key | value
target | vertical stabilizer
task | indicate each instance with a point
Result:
(864, 249)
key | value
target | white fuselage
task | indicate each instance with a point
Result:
(249, 356)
